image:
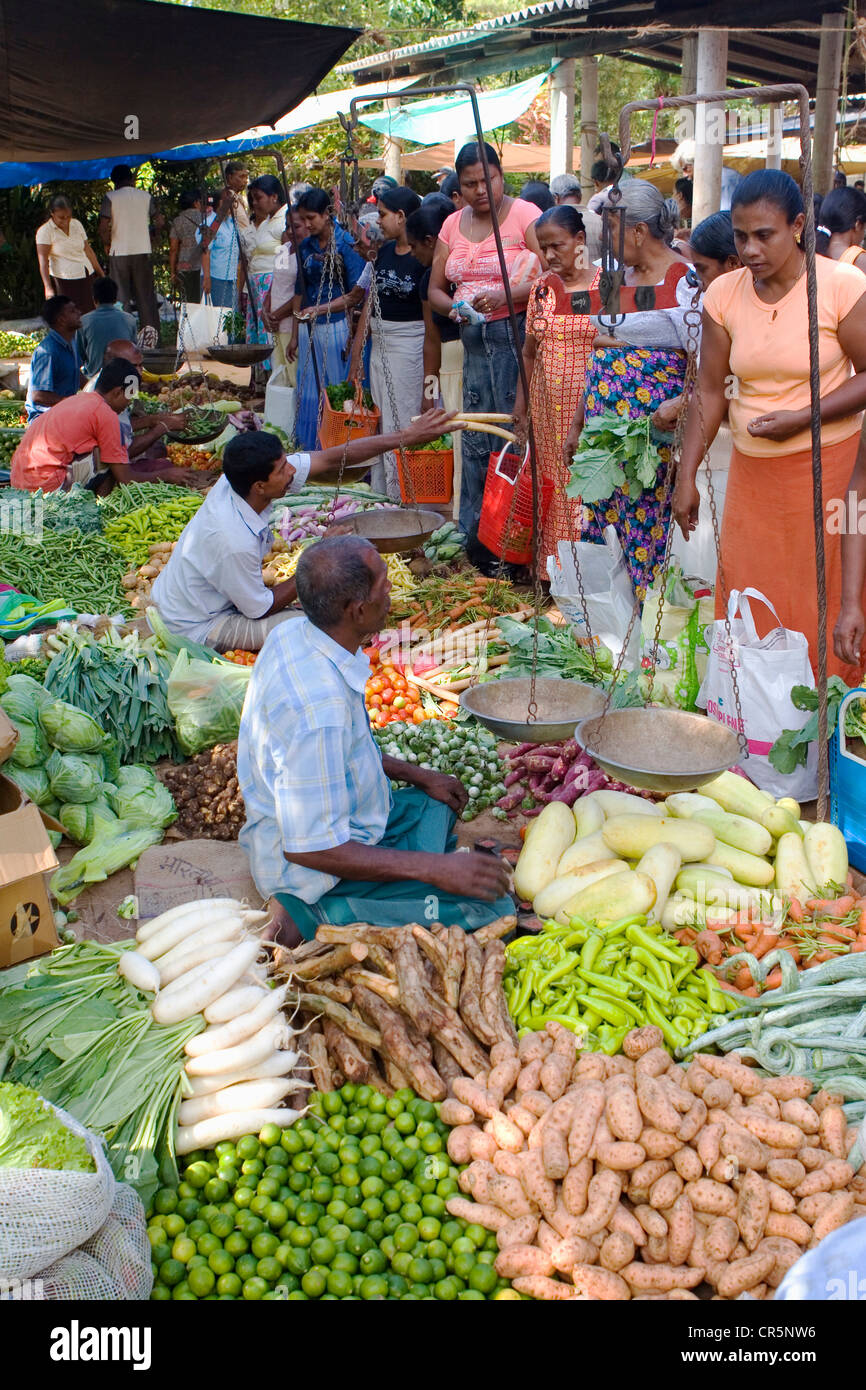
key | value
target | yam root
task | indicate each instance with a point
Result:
(455, 957)
(351, 1061)
(395, 1041)
(342, 958)
(469, 1008)
(411, 982)
(320, 1063)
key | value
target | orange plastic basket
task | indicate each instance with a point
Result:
(428, 475)
(338, 426)
(506, 532)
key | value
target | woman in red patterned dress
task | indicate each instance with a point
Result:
(556, 350)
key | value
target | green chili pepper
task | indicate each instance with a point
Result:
(524, 991)
(650, 987)
(613, 1042)
(591, 950)
(640, 936)
(611, 1012)
(672, 1035)
(563, 967)
(652, 965)
(606, 983)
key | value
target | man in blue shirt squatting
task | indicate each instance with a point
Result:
(327, 839)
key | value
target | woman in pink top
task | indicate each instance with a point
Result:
(466, 271)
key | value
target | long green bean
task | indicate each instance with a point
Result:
(82, 570)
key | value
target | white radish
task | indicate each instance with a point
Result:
(200, 955)
(275, 1064)
(246, 1095)
(165, 919)
(221, 929)
(251, 1050)
(206, 1133)
(186, 928)
(240, 1027)
(196, 989)
(139, 971)
(237, 1001)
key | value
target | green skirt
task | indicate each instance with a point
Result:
(416, 822)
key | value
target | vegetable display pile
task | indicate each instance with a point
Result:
(83, 1037)
(139, 582)
(792, 746)
(179, 392)
(631, 1177)
(467, 751)
(400, 1006)
(12, 412)
(75, 510)
(32, 1136)
(390, 698)
(445, 545)
(536, 774)
(312, 518)
(207, 795)
(128, 497)
(348, 1204)
(192, 456)
(813, 1024)
(341, 396)
(84, 571)
(135, 532)
(556, 652)
(284, 564)
(200, 421)
(10, 437)
(240, 657)
(18, 344)
(600, 979)
(121, 682)
(614, 453)
(434, 605)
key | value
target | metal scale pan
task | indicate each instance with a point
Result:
(501, 706)
(658, 750)
(394, 530)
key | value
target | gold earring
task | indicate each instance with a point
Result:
(797, 238)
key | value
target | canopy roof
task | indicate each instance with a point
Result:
(436, 119)
(80, 79)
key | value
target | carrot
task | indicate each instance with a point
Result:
(751, 992)
(795, 911)
(787, 944)
(774, 979)
(859, 945)
(743, 978)
(766, 941)
(837, 933)
(836, 907)
(820, 956)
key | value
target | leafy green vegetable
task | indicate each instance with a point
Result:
(70, 729)
(614, 452)
(29, 689)
(113, 847)
(142, 800)
(5, 668)
(558, 653)
(339, 392)
(33, 666)
(70, 778)
(32, 749)
(31, 1135)
(33, 781)
(20, 704)
(792, 746)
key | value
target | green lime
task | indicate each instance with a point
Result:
(372, 1187)
(196, 1228)
(308, 1213)
(187, 1209)
(337, 1208)
(183, 1249)
(354, 1124)
(323, 1251)
(165, 1201)
(451, 1231)
(247, 1147)
(245, 1266)
(244, 1197)
(186, 1189)
(374, 1286)
(160, 1293)
(207, 1244)
(419, 1290)
(220, 1261)
(405, 1236)
(269, 1269)
(236, 1243)
(328, 1163)
(405, 1157)
(250, 1224)
(182, 1293)
(160, 1253)
(171, 1272)
(291, 1142)
(391, 1200)
(264, 1244)
(339, 1234)
(298, 1294)
(303, 1162)
(470, 1295)
(268, 1188)
(229, 1173)
(270, 1135)
(392, 1172)
(439, 1267)
(485, 1257)
(254, 1288)
(301, 1237)
(276, 1157)
(289, 1282)
(411, 1212)
(437, 1249)
(373, 1262)
(446, 1289)
(387, 1246)
(376, 1124)
(323, 1190)
(349, 1264)
(404, 1123)
(429, 1228)
(352, 1196)
(276, 1214)
(375, 1230)
(391, 1222)
(377, 1102)
(355, 1219)
(432, 1144)
(421, 1271)
(339, 1283)
(201, 1281)
(368, 1167)
(476, 1234)
(397, 1285)
(297, 1182)
(372, 1205)
(314, 1283)
(414, 1143)
(369, 1144)
(482, 1278)
(433, 1205)
(253, 1167)
(216, 1189)
(297, 1261)
(358, 1242)
(393, 1106)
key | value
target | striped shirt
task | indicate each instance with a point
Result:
(309, 769)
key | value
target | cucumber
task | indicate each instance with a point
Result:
(746, 868)
(630, 836)
(739, 831)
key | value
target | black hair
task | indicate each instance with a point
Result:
(470, 155)
(400, 199)
(537, 192)
(332, 574)
(427, 220)
(440, 202)
(601, 172)
(59, 201)
(270, 186)
(686, 190)
(105, 290)
(235, 166)
(841, 210)
(188, 199)
(563, 215)
(116, 373)
(249, 458)
(714, 237)
(121, 173)
(769, 186)
(314, 200)
(53, 308)
(449, 186)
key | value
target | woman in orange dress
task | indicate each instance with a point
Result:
(755, 360)
(556, 350)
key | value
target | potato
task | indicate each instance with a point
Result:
(780, 1198)
(508, 1163)
(792, 1227)
(536, 1184)
(623, 1114)
(776, 1132)
(651, 1220)
(665, 1191)
(718, 1094)
(482, 1146)
(652, 1063)
(744, 1148)
(688, 1164)
(658, 1144)
(836, 1212)
(753, 1208)
(490, 1217)
(538, 1286)
(643, 1177)
(785, 1253)
(712, 1197)
(507, 1134)
(617, 1250)
(681, 1230)
(603, 1197)
(833, 1127)
(661, 1278)
(620, 1156)
(655, 1105)
(693, 1120)
(810, 1208)
(639, 1041)
(788, 1087)
(721, 1238)
(585, 1121)
(787, 1172)
(742, 1275)
(521, 1261)
(743, 1079)
(459, 1141)
(568, 1251)
(454, 1113)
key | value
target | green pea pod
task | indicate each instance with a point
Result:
(608, 984)
(640, 936)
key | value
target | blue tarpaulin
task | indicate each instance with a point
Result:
(450, 118)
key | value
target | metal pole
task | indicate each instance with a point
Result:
(793, 91)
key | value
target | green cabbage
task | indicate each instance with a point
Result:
(31, 1135)
(141, 799)
(19, 704)
(95, 761)
(33, 781)
(30, 689)
(70, 778)
(31, 749)
(78, 818)
(70, 729)
(112, 848)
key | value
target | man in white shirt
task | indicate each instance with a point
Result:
(212, 590)
(125, 220)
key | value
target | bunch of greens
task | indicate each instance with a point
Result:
(32, 666)
(792, 746)
(84, 1037)
(31, 1135)
(341, 392)
(559, 654)
(614, 452)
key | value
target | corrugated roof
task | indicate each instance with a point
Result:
(486, 26)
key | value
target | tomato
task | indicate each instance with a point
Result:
(399, 702)
(387, 696)
(375, 685)
(372, 655)
(399, 683)
(418, 715)
(374, 702)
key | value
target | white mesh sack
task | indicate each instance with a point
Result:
(45, 1213)
(114, 1264)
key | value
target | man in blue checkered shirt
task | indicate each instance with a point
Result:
(325, 837)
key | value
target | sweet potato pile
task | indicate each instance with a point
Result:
(207, 795)
(401, 1006)
(631, 1177)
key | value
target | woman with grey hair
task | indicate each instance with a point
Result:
(66, 258)
(635, 367)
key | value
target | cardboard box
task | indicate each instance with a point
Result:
(26, 858)
(8, 737)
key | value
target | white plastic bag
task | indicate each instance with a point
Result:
(280, 402)
(200, 325)
(607, 589)
(46, 1213)
(767, 669)
(114, 1264)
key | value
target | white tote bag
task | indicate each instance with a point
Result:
(201, 325)
(767, 669)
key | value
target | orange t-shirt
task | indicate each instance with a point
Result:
(770, 351)
(71, 428)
